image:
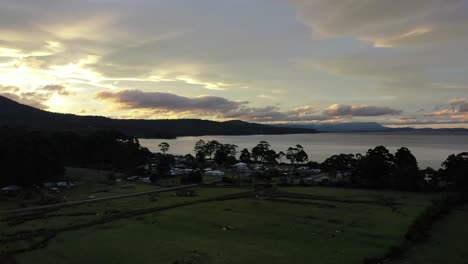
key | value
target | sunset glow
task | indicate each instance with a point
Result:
(397, 65)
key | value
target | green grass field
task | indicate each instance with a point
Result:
(90, 183)
(295, 225)
(446, 244)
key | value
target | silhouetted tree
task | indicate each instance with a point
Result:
(164, 147)
(455, 171)
(32, 157)
(376, 167)
(163, 164)
(112, 149)
(200, 150)
(296, 154)
(259, 151)
(339, 163)
(28, 158)
(270, 157)
(245, 156)
(313, 165)
(281, 155)
(224, 152)
(431, 178)
(194, 176)
(406, 174)
(211, 147)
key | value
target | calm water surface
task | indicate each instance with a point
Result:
(429, 149)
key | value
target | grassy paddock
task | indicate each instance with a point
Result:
(326, 224)
(446, 243)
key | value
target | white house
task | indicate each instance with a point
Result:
(12, 189)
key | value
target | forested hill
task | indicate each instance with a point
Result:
(14, 114)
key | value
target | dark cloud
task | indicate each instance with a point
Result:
(24, 100)
(37, 98)
(455, 111)
(460, 105)
(54, 88)
(207, 105)
(273, 114)
(136, 99)
(387, 23)
(8, 89)
(359, 110)
(426, 122)
(455, 107)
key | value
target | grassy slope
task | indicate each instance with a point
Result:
(447, 243)
(286, 231)
(90, 182)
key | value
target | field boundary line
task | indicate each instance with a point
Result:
(95, 200)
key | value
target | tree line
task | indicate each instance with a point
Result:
(378, 168)
(29, 157)
(262, 153)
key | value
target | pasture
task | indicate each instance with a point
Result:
(217, 225)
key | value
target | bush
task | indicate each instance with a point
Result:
(420, 228)
(193, 177)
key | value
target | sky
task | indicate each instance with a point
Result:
(399, 63)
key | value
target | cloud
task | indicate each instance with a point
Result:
(163, 103)
(37, 98)
(455, 107)
(387, 23)
(131, 99)
(272, 114)
(411, 122)
(359, 110)
(461, 104)
(9, 88)
(27, 99)
(156, 103)
(400, 73)
(454, 111)
(219, 48)
(54, 88)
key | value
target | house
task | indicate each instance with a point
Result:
(241, 167)
(11, 190)
(145, 180)
(343, 176)
(62, 184)
(214, 173)
(322, 179)
(133, 178)
(315, 171)
(54, 189)
(240, 164)
(317, 179)
(176, 171)
(150, 167)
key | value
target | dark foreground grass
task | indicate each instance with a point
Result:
(446, 243)
(322, 226)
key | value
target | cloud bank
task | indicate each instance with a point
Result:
(228, 109)
(359, 110)
(37, 98)
(342, 59)
(133, 99)
(387, 23)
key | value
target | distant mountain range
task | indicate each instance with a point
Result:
(344, 127)
(14, 114)
(368, 127)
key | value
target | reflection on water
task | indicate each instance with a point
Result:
(429, 149)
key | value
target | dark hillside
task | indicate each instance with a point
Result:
(14, 114)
